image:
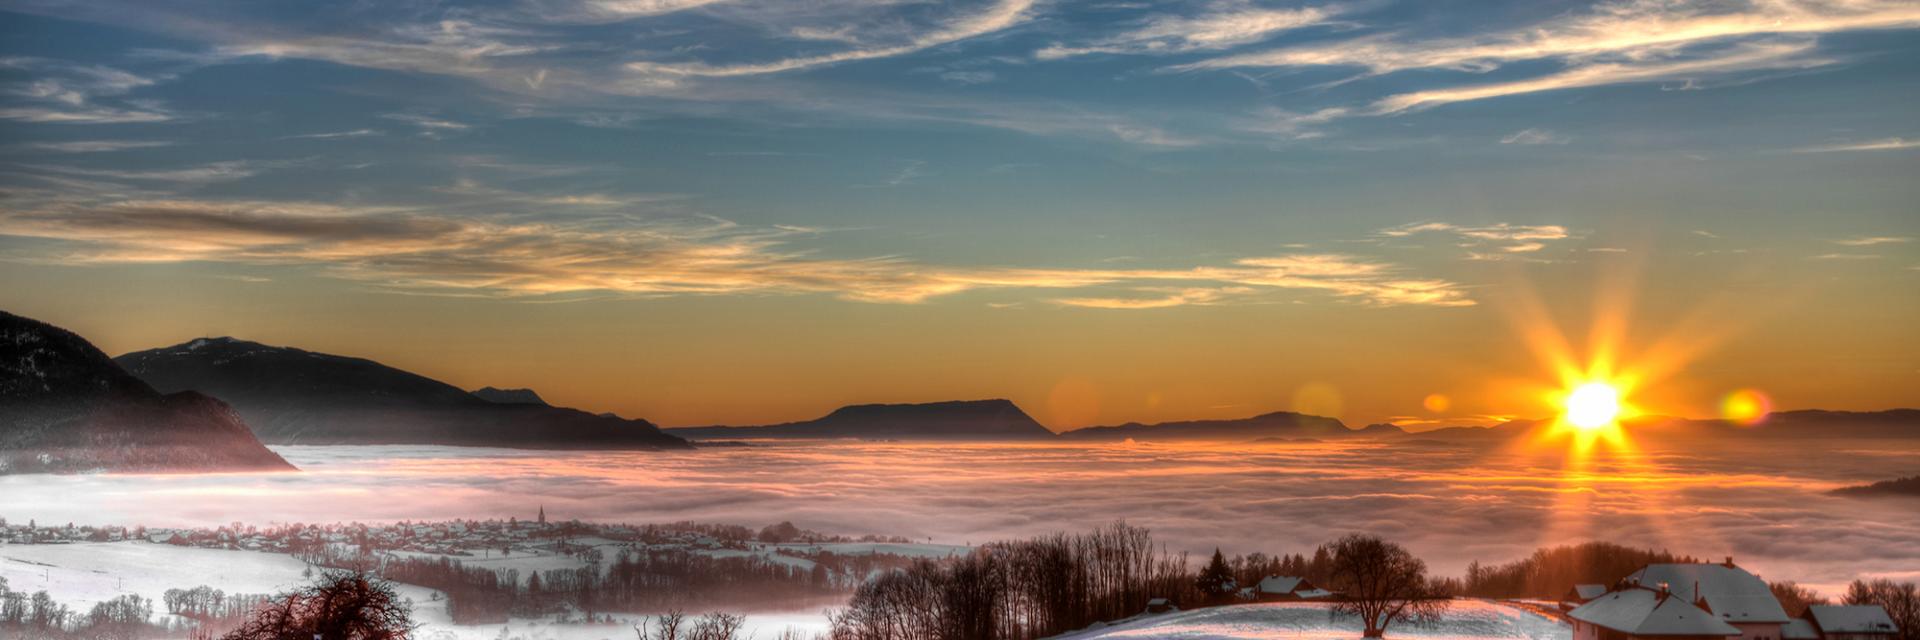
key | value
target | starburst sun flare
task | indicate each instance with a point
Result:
(1592, 405)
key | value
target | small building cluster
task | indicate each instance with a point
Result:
(1710, 601)
(1284, 589)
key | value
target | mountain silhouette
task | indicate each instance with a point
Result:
(66, 407)
(508, 396)
(293, 396)
(954, 420)
(1279, 424)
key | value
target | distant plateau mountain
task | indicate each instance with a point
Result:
(956, 420)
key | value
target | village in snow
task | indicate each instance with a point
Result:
(537, 579)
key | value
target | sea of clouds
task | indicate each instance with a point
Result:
(1763, 504)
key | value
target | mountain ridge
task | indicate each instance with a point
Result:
(990, 419)
(295, 396)
(66, 407)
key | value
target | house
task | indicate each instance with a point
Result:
(1160, 605)
(1646, 612)
(1279, 588)
(1581, 593)
(1696, 600)
(1855, 622)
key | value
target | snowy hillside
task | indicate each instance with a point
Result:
(1465, 619)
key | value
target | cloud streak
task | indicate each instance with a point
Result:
(1884, 144)
(1002, 15)
(98, 146)
(1628, 30)
(1508, 238)
(1222, 25)
(407, 249)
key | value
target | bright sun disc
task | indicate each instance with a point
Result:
(1593, 405)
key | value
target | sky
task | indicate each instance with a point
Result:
(737, 211)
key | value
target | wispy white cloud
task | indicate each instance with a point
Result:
(1507, 238)
(1627, 41)
(968, 77)
(606, 10)
(426, 122)
(1847, 256)
(210, 172)
(1219, 25)
(1172, 298)
(91, 115)
(1534, 136)
(1784, 54)
(62, 92)
(355, 133)
(1868, 241)
(411, 249)
(1883, 144)
(1615, 31)
(97, 146)
(1001, 15)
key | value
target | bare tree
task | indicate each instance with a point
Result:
(343, 606)
(1900, 599)
(666, 626)
(1382, 583)
(1795, 598)
(718, 626)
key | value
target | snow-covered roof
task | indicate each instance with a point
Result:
(1279, 584)
(1589, 591)
(1852, 619)
(1730, 592)
(1799, 629)
(1648, 612)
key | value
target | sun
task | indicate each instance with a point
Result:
(1593, 405)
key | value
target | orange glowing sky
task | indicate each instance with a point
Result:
(1431, 214)
(1685, 341)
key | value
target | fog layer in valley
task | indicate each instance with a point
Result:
(1450, 504)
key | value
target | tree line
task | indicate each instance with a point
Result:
(1054, 584)
(649, 579)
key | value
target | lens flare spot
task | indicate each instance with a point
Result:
(1436, 403)
(1593, 405)
(1746, 407)
(1318, 399)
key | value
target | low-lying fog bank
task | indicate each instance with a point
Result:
(1449, 504)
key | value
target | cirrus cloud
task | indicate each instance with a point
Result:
(409, 249)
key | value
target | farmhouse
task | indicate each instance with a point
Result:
(1719, 601)
(1286, 588)
(1581, 593)
(1835, 622)
(1699, 600)
(1635, 611)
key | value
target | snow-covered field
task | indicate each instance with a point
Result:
(80, 575)
(1464, 619)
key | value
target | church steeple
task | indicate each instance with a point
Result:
(543, 515)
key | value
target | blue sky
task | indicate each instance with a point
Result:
(1044, 157)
